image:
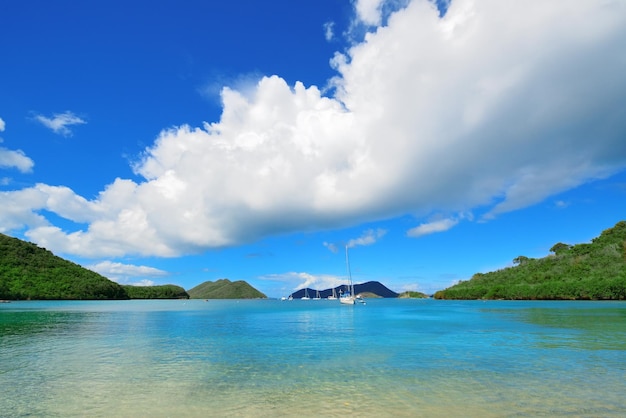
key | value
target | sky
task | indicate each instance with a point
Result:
(175, 142)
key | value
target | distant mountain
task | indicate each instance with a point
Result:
(30, 272)
(225, 289)
(372, 288)
(595, 271)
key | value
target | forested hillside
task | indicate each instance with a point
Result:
(595, 270)
(30, 272)
(166, 291)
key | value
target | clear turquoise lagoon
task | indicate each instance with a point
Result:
(268, 358)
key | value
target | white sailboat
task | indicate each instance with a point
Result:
(333, 296)
(347, 298)
(306, 295)
(317, 295)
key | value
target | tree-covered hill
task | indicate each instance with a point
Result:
(225, 289)
(30, 272)
(166, 291)
(595, 270)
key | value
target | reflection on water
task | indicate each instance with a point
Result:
(312, 358)
(597, 326)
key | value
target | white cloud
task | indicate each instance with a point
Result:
(498, 105)
(301, 280)
(333, 247)
(495, 103)
(369, 11)
(18, 209)
(127, 273)
(409, 287)
(329, 31)
(369, 237)
(432, 227)
(14, 158)
(59, 123)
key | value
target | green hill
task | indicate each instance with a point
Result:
(591, 271)
(225, 289)
(30, 272)
(166, 291)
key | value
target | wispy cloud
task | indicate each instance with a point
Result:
(127, 273)
(369, 237)
(332, 246)
(561, 204)
(440, 225)
(59, 123)
(329, 31)
(242, 82)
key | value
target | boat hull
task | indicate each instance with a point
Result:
(347, 300)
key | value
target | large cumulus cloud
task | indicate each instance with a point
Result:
(491, 108)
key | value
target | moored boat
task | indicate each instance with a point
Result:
(347, 298)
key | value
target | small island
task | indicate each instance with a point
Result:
(410, 294)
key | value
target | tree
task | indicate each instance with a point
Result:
(520, 260)
(559, 248)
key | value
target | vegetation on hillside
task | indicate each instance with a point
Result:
(166, 291)
(225, 289)
(30, 272)
(591, 271)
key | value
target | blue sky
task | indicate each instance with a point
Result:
(185, 141)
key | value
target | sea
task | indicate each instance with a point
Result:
(313, 358)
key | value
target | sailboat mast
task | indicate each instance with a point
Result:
(349, 273)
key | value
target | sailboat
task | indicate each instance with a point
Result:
(333, 296)
(306, 295)
(347, 298)
(317, 295)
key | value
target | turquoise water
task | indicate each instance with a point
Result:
(266, 358)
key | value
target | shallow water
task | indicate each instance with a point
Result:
(265, 358)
